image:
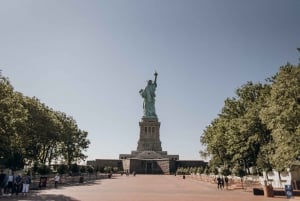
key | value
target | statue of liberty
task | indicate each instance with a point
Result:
(149, 98)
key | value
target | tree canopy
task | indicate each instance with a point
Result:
(33, 133)
(259, 127)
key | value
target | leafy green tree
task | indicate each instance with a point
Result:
(238, 133)
(83, 169)
(214, 138)
(206, 170)
(42, 134)
(282, 117)
(74, 168)
(225, 171)
(250, 134)
(90, 169)
(214, 170)
(62, 169)
(31, 133)
(107, 169)
(115, 169)
(44, 170)
(12, 121)
(74, 141)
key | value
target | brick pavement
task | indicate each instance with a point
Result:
(143, 188)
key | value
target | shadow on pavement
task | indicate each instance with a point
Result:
(38, 197)
(50, 197)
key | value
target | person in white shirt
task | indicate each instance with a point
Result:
(56, 180)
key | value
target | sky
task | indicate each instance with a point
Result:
(90, 58)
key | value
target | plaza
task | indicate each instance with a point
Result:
(143, 188)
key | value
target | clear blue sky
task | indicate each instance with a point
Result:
(90, 58)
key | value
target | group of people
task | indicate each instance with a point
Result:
(11, 184)
(221, 181)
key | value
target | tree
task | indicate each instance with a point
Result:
(42, 133)
(250, 134)
(62, 169)
(282, 116)
(90, 169)
(73, 140)
(32, 133)
(107, 169)
(74, 168)
(12, 118)
(214, 138)
(238, 135)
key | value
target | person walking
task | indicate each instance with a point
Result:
(56, 180)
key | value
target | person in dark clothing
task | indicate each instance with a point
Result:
(10, 182)
(2, 181)
(226, 182)
(219, 182)
(222, 183)
(18, 184)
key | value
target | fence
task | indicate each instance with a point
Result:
(47, 181)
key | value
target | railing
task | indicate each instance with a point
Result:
(246, 183)
(38, 182)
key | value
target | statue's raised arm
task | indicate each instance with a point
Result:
(155, 78)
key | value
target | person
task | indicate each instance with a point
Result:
(226, 182)
(149, 98)
(10, 182)
(219, 182)
(17, 184)
(222, 182)
(5, 183)
(2, 181)
(26, 183)
(56, 180)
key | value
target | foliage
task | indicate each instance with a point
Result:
(33, 133)
(12, 120)
(238, 133)
(214, 170)
(115, 169)
(44, 170)
(74, 141)
(90, 169)
(62, 169)
(259, 127)
(226, 171)
(282, 116)
(83, 169)
(74, 168)
(239, 171)
(107, 169)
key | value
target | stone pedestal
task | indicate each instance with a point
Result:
(149, 158)
(149, 135)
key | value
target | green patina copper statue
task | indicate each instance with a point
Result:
(149, 98)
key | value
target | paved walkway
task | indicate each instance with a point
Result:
(143, 188)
